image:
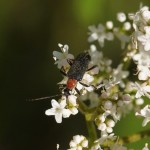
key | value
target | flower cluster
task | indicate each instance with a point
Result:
(109, 32)
(64, 108)
(141, 36)
(106, 94)
(78, 142)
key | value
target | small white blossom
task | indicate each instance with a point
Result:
(142, 59)
(57, 146)
(97, 58)
(139, 101)
(142, 90)
(126, 97)
(127, 26)
(107, 137)
(109, 25)
(72, 106)
(78, 143)
(145, 38)
(106, 126)
(121, 17)
(108, 84)
(87, 79)
(58, 110)
(145, 147)
(62, 57)
(99, 34)
(119, 74)
(108, 104)
(145, 112)
(113, 112)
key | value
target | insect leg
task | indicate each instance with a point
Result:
(77, 91)
(88, 85)
(70, 61)
(62, 70)
(91, 68)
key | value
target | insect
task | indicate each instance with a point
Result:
(78, 67)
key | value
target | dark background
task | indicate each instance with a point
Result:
(29, 31)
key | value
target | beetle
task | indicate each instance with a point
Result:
(78, 67)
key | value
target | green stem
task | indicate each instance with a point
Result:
(91, 131)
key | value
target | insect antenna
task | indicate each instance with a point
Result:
(44, 98)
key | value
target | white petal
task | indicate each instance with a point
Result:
(102, 127)
(60, 45)
(66, 113)
(54, 103)
(65, 49)
(70, 56)
(138, 95)
(58, 55)
(145, 121)
(93, 37)
(63, 103)
(79, 86)
(142, 76)
(109, 129)
(147, 46)
(50, 112)
(72, 99)
(58, 117)
(74, 110)
(147, 88)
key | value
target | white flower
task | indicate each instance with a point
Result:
(127, 26)
(113, 112)
(106, 126)
(126, 97)
(72, 104)
(145, 112)
(97, 58)
(58, 110)
(145, 38)
(78, 142)
(109, 25)
(87, 79)
(142, 90)
(108, 84)
(120, 74)
(144, 72)
(57, 146)
(142, 59)
(108, 104)
(139, 101)
(146, 147)
(99, 34)
(141, 18)
(62, 57)
(121, 17)
(106, 137)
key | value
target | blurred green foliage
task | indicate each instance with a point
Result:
(29, 31)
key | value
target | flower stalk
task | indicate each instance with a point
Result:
(92, 134)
